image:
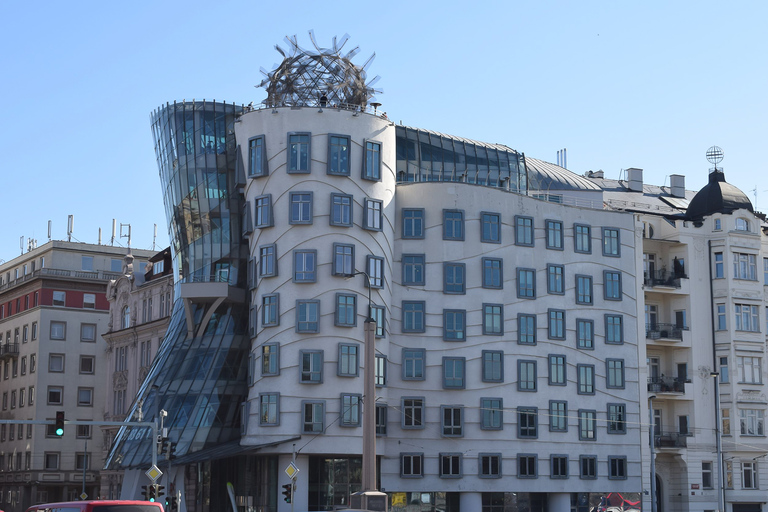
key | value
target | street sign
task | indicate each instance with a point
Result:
(292, 471)
(83, 496)
(154, 473)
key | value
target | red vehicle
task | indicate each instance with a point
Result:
(98, 506)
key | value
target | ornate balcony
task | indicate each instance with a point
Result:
(9, 350)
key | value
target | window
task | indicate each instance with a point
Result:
(298, 152)
(585, 334)
(381, 419)
(350, 410)
(750, 370)
(381, 370)
(454, 324)
(413, 223)
(493, 277)
(554, 234)
(583, 289)
(450, 465)
(744, 266)
(526, 329)
(411, 465)
(491, 414)
(51, 461)
(304, 266)
(311, 366)
(348, 360)
(375, 266)
(527, 465)
(746, 318)
(55, 395)
(89, 300)
(341, 210)
(527, 422)
(413, 269)
(372, 214)
(268, 260)
(617, 468)
(588, 467)
(526, 283)
(614, 329)
(307, 316)
(752, 422)
(749, 478)
(378, 313)
(611, 242)
(493, 319)
(556, 324)
(614, 373)
(453, 224)
(34, 331)
(586, 379)
(558, 416)
(742, 224)
(524, 231)
(270, 359)
(493, 366)
(587, 421)
(56, 363)
(59, 299)
(765, 271)
(453, 372)
(87, 364)
(263, 206)
(490, 227)
(489, 465)
(617, 419)
(269, 405)
(724, 377)
(343, 259)
(413, 316)
(582, 238)
(346, 310)
(413, 412)
(452, 421)
(372, 166)
(23, 365)
(314, 417)
(83, 432)
(728, 474)
(88, 332)
(257, 161)
(413, 363)
(270, 310)
(85, 397)
(557, 373)
(526, 375)
(719, 269)
(82, 461)
(454, 278)
(558, 466)
(338, 155)
(301, 208)
(612, 285)
(32, 363)
(555, 279)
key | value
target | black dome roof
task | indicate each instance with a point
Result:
(717, 196)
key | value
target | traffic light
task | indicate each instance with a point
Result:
(159, 491)
(287, 492)
(144, 492)
(171, 503)
(152, 492)
(59, 423)
(171, 450)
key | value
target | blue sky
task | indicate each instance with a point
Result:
(619, 84)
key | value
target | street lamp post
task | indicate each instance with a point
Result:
(653, 452)
(718, 441)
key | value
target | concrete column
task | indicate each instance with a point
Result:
(559, 502)
(471, 501)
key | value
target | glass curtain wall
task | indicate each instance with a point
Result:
(200, 378)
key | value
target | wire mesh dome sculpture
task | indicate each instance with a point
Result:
(322, 77)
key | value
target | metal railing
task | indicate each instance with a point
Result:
(97, 275)
(667, 384)
(670, 440)
(666, 331)
(664, 278)
(9, 350)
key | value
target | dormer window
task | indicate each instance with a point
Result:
(742, 224)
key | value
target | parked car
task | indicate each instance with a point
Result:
(98, 506)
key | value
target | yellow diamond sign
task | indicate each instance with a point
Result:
(292, 471)
(154, 473)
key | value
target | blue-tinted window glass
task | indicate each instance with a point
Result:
(338, 155)
(307, 315)
(372, 169)
(453, 225)
(454, 325)
(413, 269)
(453, 372)
(492, 273)
(256, 162)
(298, 152)
(413, 363)
(341, 210)
(413, 316)
(454, 278)
(413, 223)
(526, 329)
(491, 228)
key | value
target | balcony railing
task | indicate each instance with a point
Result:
(667, 384)
(664, 278)
(9, 350)
(668, 331)
(670, 440)
(99, 275)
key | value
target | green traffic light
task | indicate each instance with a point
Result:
(59, 431)
(152, 500)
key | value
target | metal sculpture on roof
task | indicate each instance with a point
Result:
(322, 77)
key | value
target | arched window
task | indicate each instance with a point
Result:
(742, 224)
(126, 317)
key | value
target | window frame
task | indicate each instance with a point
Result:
(299, 199)
(263, 217)
(532, 465)
(490, 219)
(345, 369)
(590, 471)
(341, 209)
(556, 462)
(412, 266)
(493, 364)
(560, 363)
(453, 459)
(454, 413)
(496, 313)
(454, 363)
(555, 279)
(256, 151)
(316, 363)
(585, 379)
(372, 171)
(340, 320)
(343, 259)
(351, 417)
(419, 316)
(309, 329)
(608, 242)
(417, 227)
(491, 413)
(412, 404)
(268, 306)
(373, 214)
(530, 384)
(524, 231)
(452, 331)
(555, 416)
(559, 319)
(527, 318)
(586, 417)
(267, 420)
(409, 357)
(527, 422)
(489, 457)
(491, 272)
(580, 235)
(293, 162)
(614, 424)
(458, 274)
(555, 235)
(611, 328)
(584, 290)
(270, 359)
(313, 421)
(583, 327)
(456, 230)
(311, 274)
(609, 283)
(346, 164)
(411, 457)
(268, 260)
(611, 374)
(617, 464)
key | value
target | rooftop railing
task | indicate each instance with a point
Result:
(96, 275)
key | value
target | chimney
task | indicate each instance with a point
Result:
(635, 179)
(677, 185)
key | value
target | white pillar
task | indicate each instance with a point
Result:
(471, 501)
(559, 502)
